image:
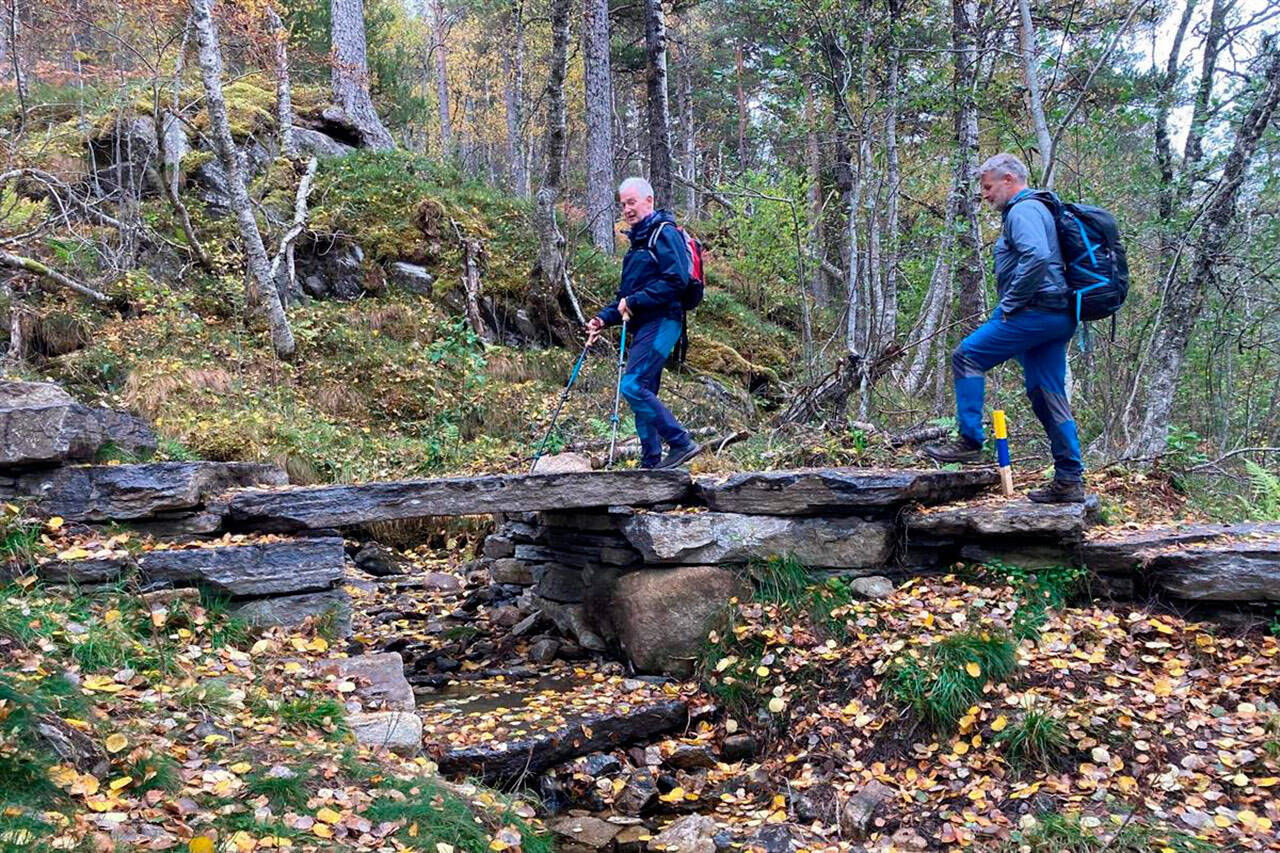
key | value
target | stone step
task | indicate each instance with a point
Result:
(1219, 570)
(341, 506)
(1121, 550)
(239, 570)
(152, 490)
(1007, 519)
(828, 491)
(701, 538)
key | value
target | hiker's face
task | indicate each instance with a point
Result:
(634, 205)
(998, 189)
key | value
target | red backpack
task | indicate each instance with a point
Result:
(693, 291)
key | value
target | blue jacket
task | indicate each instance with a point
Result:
(652, 283)
(1028, 261)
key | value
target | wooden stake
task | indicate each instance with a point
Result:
(1000, 429)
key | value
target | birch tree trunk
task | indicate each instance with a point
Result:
(284, 97)
(14, 27)
(549, 282)
(517, 154)
(350, 75)
(261, 289)
(1166, 199)
(742, 108)
(598, 90)
(932, 312)
(1031, 75)
(813, 210)
(889, 311)
(969, 264)
(1182, 303)
(659, 110)
(688, 139)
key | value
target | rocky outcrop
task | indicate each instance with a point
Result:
(717, 537)
(102, 493)
(411, 277)
(662, 616)
(342, 506)
(41, 425)
(322, 145)
(331, 268)
(831, 491)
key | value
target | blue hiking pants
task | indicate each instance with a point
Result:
(1038, 339)
(649, 346)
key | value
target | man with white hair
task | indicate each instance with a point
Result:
(1031, 323)
(655, 273)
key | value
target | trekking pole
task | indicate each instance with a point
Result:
(1000, 429)
(564, 395)
(617, 392)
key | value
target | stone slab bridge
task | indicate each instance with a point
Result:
(606, 554)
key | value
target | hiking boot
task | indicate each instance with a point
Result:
(678, 456)
(1059, 492)
(957, 450)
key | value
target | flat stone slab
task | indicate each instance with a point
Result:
(822, 491)
(1121, 550)
(292, 610)
(340, 506)
(102, 493)
(507, 761)
(243, 571)
(1231, 570)
(1016, 518)
(701, 538)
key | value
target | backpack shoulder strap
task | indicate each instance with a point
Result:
(653, 237)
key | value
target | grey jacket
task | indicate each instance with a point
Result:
(1028, 261)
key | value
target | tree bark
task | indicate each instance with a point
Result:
(14, 25)
(549, 282)
(517, 155)
(659, 110)
(969, 266)
(889, 311)
(442, 75)
(742, 108)
(925, 338)
(1166, 201)
(1031, 75)
(284, 96)
(1185, 295)
(813, 210)
(688, 138)
(18, 262)
(598, 91)
(350, 74)
(1194, 150)
(261, 289)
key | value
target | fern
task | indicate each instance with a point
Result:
(1264, 502)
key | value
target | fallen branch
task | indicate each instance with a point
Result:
(1223, 458)
(57, 188)
(17, 262)
(471, 250)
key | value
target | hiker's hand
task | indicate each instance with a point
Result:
(624, 310)
(594, 327)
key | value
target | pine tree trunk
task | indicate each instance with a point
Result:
(549, 283)
(517, 156)
(969, 264)
(655, 38)
(350, 75)
(284, 97)
(1182, 303)
(442, 75)
(598, 90)
(261, 289)
(1031, 75)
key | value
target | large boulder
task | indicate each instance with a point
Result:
(397, 731)
(330, 267)
(662, 616)
(826, 491)
(411, 277)
(721, 537)
(40, 425)
(347, 505)
(101, 493)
